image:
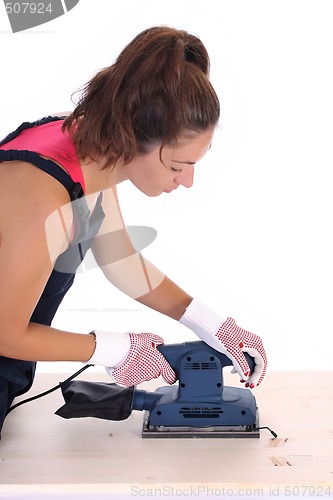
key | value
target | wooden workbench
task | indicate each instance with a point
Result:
(45, 456)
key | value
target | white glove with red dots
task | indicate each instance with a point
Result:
(131, 358)
(226, 337)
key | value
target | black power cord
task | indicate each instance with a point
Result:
(48, 391)
(270, 430)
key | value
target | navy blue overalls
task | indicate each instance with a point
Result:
(16, 376)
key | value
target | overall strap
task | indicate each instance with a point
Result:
(81, 211)
(74, 188)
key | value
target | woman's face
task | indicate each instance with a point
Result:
(153, 177)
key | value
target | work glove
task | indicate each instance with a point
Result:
(226, 337)
(131, 358)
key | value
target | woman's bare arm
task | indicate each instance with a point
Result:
(25, 266)
(128, 270)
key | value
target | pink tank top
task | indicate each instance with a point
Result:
(48, 140)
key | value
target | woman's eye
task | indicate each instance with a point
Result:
(174, 169)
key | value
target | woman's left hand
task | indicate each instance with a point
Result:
(226, 337)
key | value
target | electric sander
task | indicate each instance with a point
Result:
(198, 405)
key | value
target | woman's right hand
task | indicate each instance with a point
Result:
(131, 358)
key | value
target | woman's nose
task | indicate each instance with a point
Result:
(185, 177)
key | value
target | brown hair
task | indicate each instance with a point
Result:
(156, 91)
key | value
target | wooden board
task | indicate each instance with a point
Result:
(41, 453)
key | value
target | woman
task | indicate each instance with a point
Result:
(149, 118)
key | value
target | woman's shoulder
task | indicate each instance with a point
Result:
(22, 184)
(30, 201)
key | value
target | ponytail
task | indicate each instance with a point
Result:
(156, 91)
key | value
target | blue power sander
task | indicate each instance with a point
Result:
(198, 405)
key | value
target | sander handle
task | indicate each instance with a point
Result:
(173, 353)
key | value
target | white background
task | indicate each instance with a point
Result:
(253, 237)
